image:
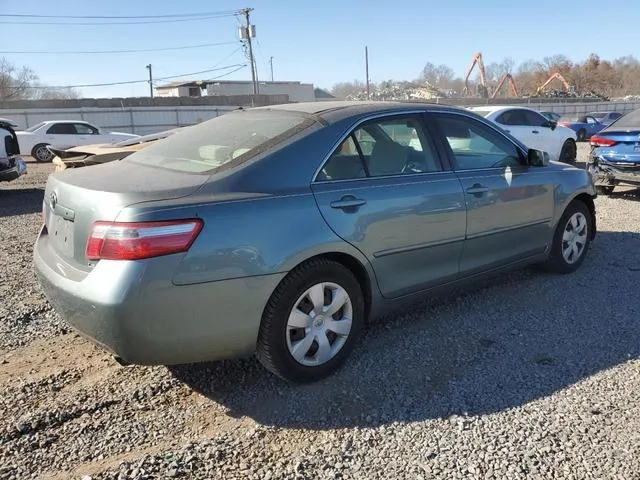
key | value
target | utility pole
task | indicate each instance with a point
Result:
(247, 33)
(150, 80)
(366, 63)
(271, 65)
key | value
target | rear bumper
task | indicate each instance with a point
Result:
(12, 173)
(135, 313)
(606, 173)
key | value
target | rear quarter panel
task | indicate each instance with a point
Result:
(243, 237)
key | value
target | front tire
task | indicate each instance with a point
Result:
(569, 151)
(41, 153)
(311, 322)
(571, 239)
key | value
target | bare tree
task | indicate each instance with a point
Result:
(346, 89)
(437, 75)
(15, 82)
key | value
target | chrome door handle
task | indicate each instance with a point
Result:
(535, 131)
(477, 189)
(348, 201)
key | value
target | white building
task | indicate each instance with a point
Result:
(297, 91)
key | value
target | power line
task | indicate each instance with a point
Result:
(92, 52)
(129, 82)
(145, 22)
(170, 15)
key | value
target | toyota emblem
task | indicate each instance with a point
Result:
(53, 200)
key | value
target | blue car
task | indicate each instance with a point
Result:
(615, 154)
(584, 125)
(606, 118)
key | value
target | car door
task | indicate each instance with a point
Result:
(510, 205)
(88, 134)
(385, 191)
(545, 138)
(514, 121)
(61, 135)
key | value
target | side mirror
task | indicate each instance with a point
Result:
(537, 158)
(551, 124)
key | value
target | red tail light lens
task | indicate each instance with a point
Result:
(598, 141)
(136, 241)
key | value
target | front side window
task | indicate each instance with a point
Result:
(384, 147)
(535, 119)
(475, 145)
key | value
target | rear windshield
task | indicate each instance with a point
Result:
(214, 144)
(630, 121)
(597, 115)
(34, 127)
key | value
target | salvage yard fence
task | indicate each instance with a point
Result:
(144, 120)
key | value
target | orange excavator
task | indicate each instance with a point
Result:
(482, 88)
(512, 84)
(551, 79)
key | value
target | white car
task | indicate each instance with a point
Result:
(63, 134)
(534, 130)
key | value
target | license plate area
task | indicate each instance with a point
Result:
(61, 231)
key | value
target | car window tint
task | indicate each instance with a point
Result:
(534, 119)
(62, 129)
(84, 129)
(343, 164)
(475, 145)
(512, 117)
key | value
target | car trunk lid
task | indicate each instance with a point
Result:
(618, 146)
(74, 199)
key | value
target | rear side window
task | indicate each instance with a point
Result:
(224, 141)
(62, 129)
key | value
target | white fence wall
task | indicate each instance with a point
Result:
(140, 120)
(145, 120)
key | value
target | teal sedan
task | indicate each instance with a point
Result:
(282, 230)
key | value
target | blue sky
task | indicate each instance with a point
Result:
(320, 42)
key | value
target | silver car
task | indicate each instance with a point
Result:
(282, 230)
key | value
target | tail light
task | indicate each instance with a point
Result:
(598, 141)
(136, 241)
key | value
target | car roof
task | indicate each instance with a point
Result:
(63, 121)
(499, 108)
(333, 111)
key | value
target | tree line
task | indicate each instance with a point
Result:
(615, 78)
(21, 83)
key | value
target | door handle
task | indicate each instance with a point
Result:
(348, 201)
(477, 189)
(535, 131)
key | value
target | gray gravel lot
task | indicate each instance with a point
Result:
(529, 375)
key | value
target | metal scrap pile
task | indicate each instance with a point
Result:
(391, 90)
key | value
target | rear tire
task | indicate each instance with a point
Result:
(571, 239)
(41, 154)
(301, 338)
(569, 151)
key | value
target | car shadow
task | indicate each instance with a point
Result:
(20, 201)
(628, 193)
(504, 343)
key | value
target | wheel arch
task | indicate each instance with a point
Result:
(588, 201)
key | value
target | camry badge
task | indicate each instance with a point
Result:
(53, 200)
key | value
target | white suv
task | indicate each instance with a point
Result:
(534, 130)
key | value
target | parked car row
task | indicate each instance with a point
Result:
(281, 230)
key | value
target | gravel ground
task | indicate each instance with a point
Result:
(529, 375)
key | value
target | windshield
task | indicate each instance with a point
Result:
(484, 113)
(35, 127)
(630, 121)
(598, 115)
(215, 143)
